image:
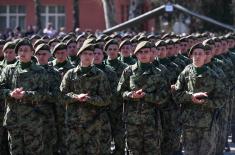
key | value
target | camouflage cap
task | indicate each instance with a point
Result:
(110, 42)
(91, 36)
(38, 42)
(160, 43)
(208, 41)
(60, 46)
(23, 42)
(45, 37)
(53, 41)
(90, 41)
(141, 45)
(183, 39)
(84, 47)
(80, 36)
(142, 38)
(196, 46)
(9, 45)
(66, 38)
(44, 47)
(124, 42)
(35, 36)
(72, 40)
(169, 42)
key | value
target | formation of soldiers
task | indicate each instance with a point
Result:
(112, 94)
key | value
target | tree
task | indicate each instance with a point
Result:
(37, 6)
(109, 13)
(75, 14)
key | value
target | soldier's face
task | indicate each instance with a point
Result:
(162, 51)
(183, 46)
(80, 42)
(61, 55)
(198, 56)
(72, 49)
(112, 51)
(170, 50)
(10, 55)
(126, 50)
(98, 56)
(208, 55)
(42, 57)
(86, 58)
(25, 53)
(144, 55)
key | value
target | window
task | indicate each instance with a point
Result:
(53, 14)
(12, 16)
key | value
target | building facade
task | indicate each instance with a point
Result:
(58, 12)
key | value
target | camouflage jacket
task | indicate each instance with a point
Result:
(117, 65)
(96, 84)
(154, 86)
(127, 60)
(64, 68)
(32, 80)
(189, 82)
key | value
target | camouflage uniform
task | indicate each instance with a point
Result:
(50, 110)
(23, 119)
(224, 111)
(113, 80)
(62, 67)
(74, 60)
(3, 133)
(61, 112)
(88, 128)
(142, 115)
(127, 60)
(199, 120)
(170, 112)
(116, 109)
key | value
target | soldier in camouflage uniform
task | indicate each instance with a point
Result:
(22, 86)
(169, 111)
(72, 50)
(9, 58)
(125, 49)
(111, 49)
(224, 111)
(62, 64)
(50, 109)
(88, 95)
(200, 92)
(113, 80)
(143, 89)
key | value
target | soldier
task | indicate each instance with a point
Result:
(88, 95)
(9, 58)
(50, 109)
(72, 50)
(125, 49)
(61, 63)
(9, 55)
(111, 49)
(22, 87)
(169, 111)
(113, 80)
(143, 90)
(200, 92)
